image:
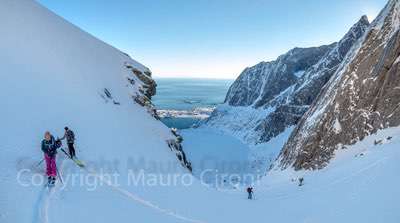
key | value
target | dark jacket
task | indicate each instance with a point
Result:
(50, 147)
(69, 135)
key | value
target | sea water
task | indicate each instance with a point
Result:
(183, 102)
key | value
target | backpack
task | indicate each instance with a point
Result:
(70, 136)
(57, 144)
(50, 148)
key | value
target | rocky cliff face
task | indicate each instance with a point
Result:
(362, 97)
(278, 93)
(295, 101)
(259, 84)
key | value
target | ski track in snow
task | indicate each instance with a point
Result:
(37, 210)
(142, 201)
(41, 215)
(279, 196)
(45, 209)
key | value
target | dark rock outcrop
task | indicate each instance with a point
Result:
(149, 85)
(146, 88)
(362, 97)
(176, 146)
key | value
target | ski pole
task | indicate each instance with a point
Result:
(66, 153)
(41, 161)
(59, 176)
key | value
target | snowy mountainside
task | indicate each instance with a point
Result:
(295, 101)
(361, 97)
(254, 123)
(358, 185)
(258, 84)
(53, 74)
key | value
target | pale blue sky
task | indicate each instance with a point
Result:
(212, 38)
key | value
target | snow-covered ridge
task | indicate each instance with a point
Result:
(237, 121)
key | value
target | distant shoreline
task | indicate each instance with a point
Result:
(200, 78)
(183, 102)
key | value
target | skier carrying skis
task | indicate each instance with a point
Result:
(250, 192)
(70, 136)
(49, 148)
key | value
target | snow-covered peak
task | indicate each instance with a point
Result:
(389, 15)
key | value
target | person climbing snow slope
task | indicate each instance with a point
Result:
(250, 193)
(49, 148)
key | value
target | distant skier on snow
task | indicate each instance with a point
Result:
(70, 136)
(49, 148)
(250, 192)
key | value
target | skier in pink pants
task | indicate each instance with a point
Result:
(49, 148)
(51, 167)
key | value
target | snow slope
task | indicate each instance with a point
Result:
(360, 184)
(208, 151)
(227, 161)
(53, 75)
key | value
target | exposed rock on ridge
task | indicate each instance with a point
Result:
(362, 97)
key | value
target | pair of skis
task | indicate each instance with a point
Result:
(76, 161)
(51, 182)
